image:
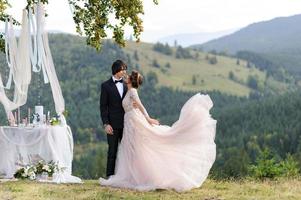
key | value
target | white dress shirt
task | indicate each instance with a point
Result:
(119, 86)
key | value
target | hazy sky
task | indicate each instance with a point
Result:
(183, 16)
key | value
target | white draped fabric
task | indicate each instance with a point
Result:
(23, 55)
(23, 146)
(19, 65)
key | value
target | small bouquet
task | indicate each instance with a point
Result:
(50, 168)
(27, 172)
(31, 172)
(56, 120)
(59, 119)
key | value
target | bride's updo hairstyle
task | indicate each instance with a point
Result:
(136, 79)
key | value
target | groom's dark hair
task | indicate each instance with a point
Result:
(118, 66)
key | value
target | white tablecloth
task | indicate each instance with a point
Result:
(20, 146)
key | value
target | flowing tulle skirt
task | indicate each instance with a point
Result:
(162, 157)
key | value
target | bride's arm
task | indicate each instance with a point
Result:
(135, 97)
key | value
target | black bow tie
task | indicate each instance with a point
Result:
(120, 81)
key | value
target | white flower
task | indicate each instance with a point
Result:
(30, 171)
(34, 169)
(26, 169)
(46, 168)
(32, 176)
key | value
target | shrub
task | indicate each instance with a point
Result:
(289, 167)
(265, 166)
(193, 80)
(231, 75)
(152, 78)
(156, 64)
(167, 65)
(252, 82)
(213, 60)
(164, 49)
(183, 53)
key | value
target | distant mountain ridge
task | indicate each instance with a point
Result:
(279, 34)
(187, 39)
(278, 39)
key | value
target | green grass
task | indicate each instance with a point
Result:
(210, 190)
(209, 77)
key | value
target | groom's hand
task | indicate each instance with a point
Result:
(109, 129)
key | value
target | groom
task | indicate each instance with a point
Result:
(112, 113)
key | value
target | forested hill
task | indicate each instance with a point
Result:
(175, 67)
(246, 129)
(248, 121)
(81, 69)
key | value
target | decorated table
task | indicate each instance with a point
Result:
(32, 148)
(21, 146)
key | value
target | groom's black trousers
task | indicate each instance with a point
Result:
(113, 141)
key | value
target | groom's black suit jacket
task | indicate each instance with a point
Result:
(111, 109)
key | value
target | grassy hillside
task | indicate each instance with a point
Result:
(210, 190)
(72, 56)
(208, 76)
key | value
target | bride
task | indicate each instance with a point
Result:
(153, 156)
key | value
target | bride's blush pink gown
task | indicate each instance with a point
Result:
(163, 157)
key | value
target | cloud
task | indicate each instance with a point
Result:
(182, 16)
(191, 16)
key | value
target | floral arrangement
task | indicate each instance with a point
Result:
(56, 120)
(31, 172)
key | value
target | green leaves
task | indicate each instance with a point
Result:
(94, 19)
(3, 16)
(290, 167)
(267, 166)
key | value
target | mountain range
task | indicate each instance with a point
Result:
(187, 39)
(279, 40)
